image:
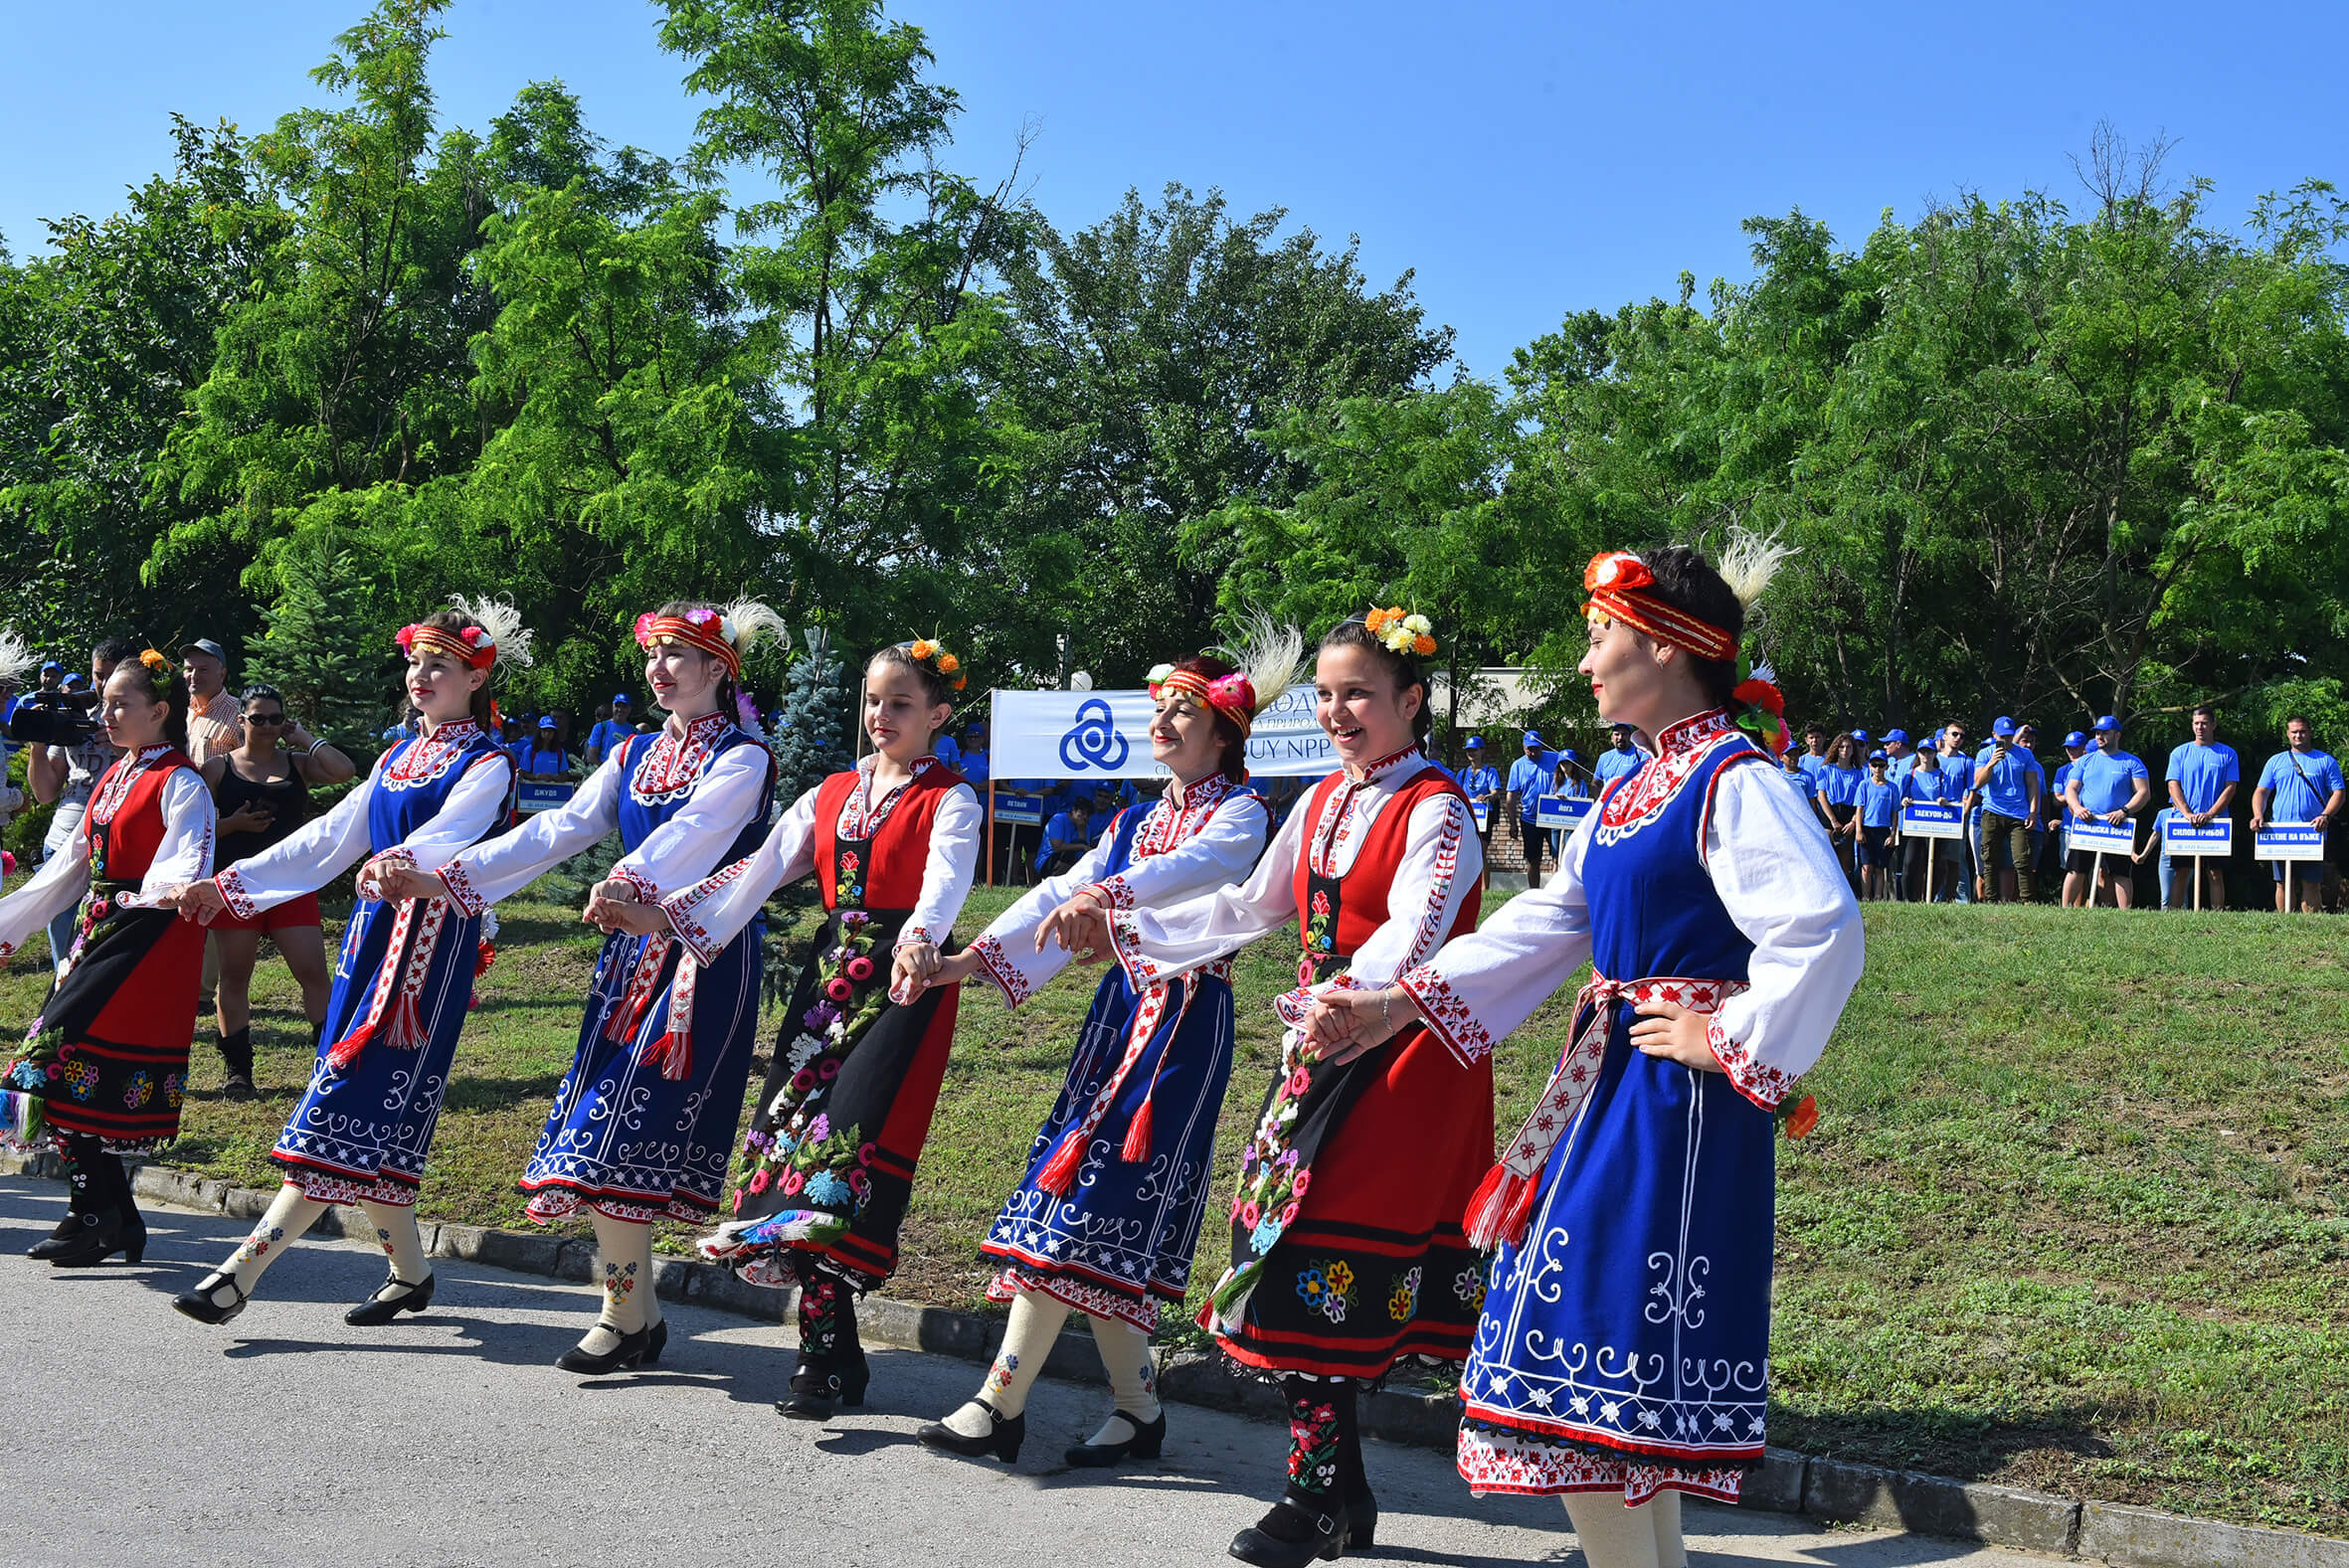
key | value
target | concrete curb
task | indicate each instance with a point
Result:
(1833, 1490)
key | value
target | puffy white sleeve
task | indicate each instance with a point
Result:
(1781, 885)
(185, 855)
(1218, 853)
(948, 868)
(713, 912)
(1480, 986)
(1155, 944)
(482, 875)
(305, 859)
(57, 887)
(729, 797)
(471, 810)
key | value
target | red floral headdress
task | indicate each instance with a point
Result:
(930, 651)
(474, 645)
(707, 630)
(1233, 695)
(1615, 581)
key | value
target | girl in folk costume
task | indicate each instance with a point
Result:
(1623, 1352)
(105, 1067)
(643, 1121)
(847, 1106)
(1107, 1218)
(1347, 1250)
(405, 977)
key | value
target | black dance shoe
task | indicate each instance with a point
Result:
(657, 1343)
(1290, 1537)
(203, 1303)
(101, 1236)
(1001, 1438)
(625, 1356)
(1144, 1443)
(379, 1310)
(817, 1389)
(62, 1239)
(1362, 1522)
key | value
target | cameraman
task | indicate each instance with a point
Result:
(68, 771)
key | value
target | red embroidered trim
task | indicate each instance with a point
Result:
(1448, 1017)
(1116, 892)
(671, 764)
(1125, 936)
(1639, 797)
(461, 891)
(1432, 926)
(428, 756)
(1088, 1298)
(1759, 1082)
(235, 895)
(997, 965)
(910, 935)
(859, 818)
(646, 891)
(1499, 1462)
(119, 779)
(679, 908)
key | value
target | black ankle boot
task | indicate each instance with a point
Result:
(1001, 1438)
(68, 1232)
(1291, 1535)
(236, 1054)
(819, 1387)
(101, 1236)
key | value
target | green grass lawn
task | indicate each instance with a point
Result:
(2073, 1217)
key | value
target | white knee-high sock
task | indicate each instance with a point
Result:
(1664, 1512)
(1611, 1535)
(624, 1267)
(289, 1216)
(396, 1233)
(1133, 1378)
(1027, 1340)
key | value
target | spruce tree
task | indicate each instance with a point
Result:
(811, 734)
(324, 652)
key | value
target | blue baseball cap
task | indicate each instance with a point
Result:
(1476, 743)
(51, 665)
(1861, 736)
(620, 699)
(1570, 755)
(1896, 737)
(546, 721)
(1532, 738)
(2074, 737)
(2107, 725)
(2002, 725)
(1924, 747)
(1878, 756)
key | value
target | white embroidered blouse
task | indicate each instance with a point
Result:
(185, 855)
(1441, 864)
(1781, 887)
(709, 914)
(1190, 842)
(323, 848)
(728, 793)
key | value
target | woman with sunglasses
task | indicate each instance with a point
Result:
(261, 789)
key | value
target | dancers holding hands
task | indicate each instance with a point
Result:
(643, 1121)
(847, 1106)
(404, 980)
(1107, 1217)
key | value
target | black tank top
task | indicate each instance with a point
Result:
(289, 799)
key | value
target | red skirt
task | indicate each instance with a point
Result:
(109, 1055)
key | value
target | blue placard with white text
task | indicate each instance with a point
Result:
(1931, 820)
(1482, 811)
(2291, 842)
(2181, 837)
(1027, 811)
(541, 797)
(2100, 838)
(1557, 811)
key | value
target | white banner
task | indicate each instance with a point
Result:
(1106, 735)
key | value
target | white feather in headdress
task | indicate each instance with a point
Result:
(1751, 561)
(17, 661)
(1270, 654)
(748, 621)
(504, 622)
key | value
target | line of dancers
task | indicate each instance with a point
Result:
(1603, 1287)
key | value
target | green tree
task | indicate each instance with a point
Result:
(811, 734)
(323, 651)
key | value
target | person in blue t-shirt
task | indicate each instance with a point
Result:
(1066, 837)
(1624, 755)
(2011, 784)
(2106, 785)
(1898, 759)
(547, 762)
(973, 765)
(1813, 760)
(1877, 803)
(1839, 793)
(2203, 777)
(1480, 780)
(1531, 777)
(1567, 777)
(2300, 784)
(1928, 782)
(606, 737)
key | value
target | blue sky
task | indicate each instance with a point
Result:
(1526, 159)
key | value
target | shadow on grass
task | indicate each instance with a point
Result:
(501, 1094)
(1959, 1443)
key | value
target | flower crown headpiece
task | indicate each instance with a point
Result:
(499, 635)
(724, 634)
(1761, 709)
(472, 645)
(160, 671)
(1617, 581)
(1401, 632)
(1233, 695)
(1269, 656)
(930, 651)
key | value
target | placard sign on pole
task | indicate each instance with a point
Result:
(1027, 810)
(2184, 840)
(1931, 820)
(2292, 846)
(1483, 811)
(1564, 812)
(541, 797)
(2099, 837)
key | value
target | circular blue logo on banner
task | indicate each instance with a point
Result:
(1093, 741)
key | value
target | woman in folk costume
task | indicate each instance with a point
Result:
(847, 1106)
(1347, 1255)
(105, 1067)
(643, 1121)
(1622, 1355)
(1107, 1218)
(405, 977)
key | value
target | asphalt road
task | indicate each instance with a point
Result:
(141, 1438)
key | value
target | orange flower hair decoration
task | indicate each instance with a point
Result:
(1401, 631)
(159, 670)
(930, 651)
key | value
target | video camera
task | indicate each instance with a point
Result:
(56, 718)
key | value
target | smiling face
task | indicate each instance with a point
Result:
(1627, 674)
(441, 687)
(132, 714)
(1183, 738)
(899, 716)
(203, 673)
(684, 680)
(1360, 705)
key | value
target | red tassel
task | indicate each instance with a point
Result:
(346, 1051)
(1137, 1147)
(673, 1053)
(1060, 1171)
(1499, 1209)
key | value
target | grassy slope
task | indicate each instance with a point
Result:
(2073, 1218)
